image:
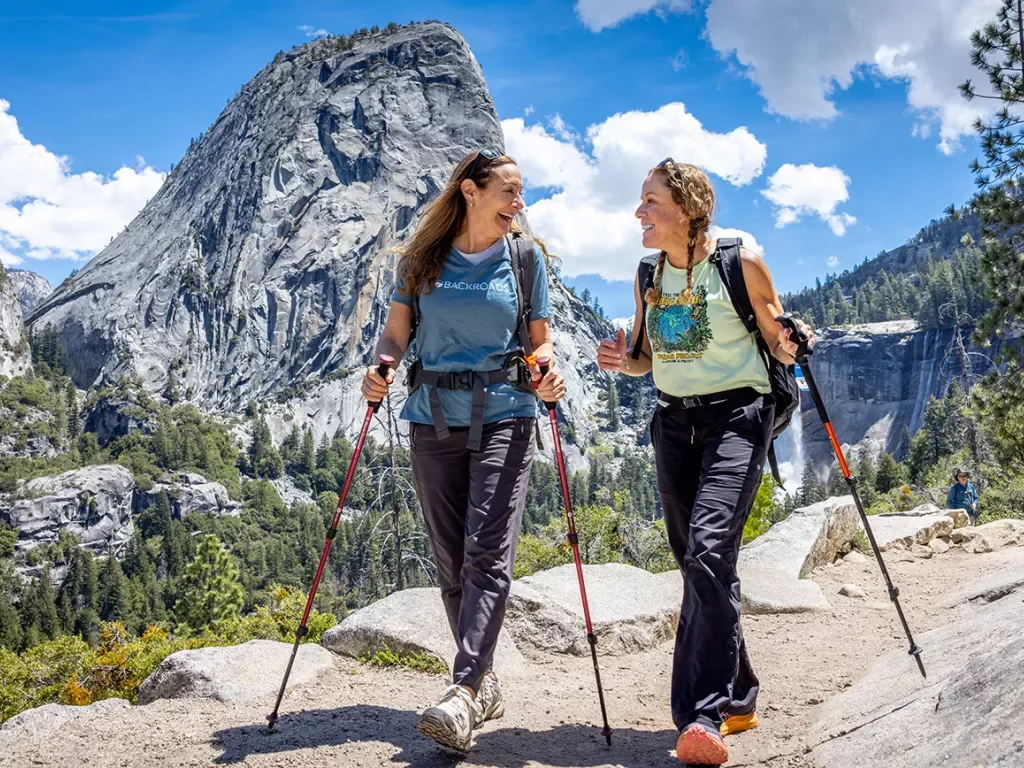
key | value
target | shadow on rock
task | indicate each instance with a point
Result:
(565, 746)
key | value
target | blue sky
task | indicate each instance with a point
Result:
(829, 138)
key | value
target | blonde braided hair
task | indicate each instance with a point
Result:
(692, 191)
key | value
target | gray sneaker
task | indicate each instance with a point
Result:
(492, 703)
(450, 722)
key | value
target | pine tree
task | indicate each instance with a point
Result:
(810, 487)
(866, 475)
(10, 626)
(614, 421)
(307, 457)
(71, 400)
(998, 53)
(211, 587)
(889, 475)
(115, 600)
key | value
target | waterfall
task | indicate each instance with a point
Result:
(790, 446)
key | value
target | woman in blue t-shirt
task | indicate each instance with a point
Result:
(472, 408)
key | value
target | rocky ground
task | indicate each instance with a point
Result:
(355, 715)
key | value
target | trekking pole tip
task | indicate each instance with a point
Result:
(607, 732)
(272, 722)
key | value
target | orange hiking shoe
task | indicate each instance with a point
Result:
(697, 745)
(738, 723)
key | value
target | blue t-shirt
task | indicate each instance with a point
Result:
(468, 323)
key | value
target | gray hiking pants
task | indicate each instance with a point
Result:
(472, 504)
(709, 461)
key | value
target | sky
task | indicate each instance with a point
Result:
(831, 130)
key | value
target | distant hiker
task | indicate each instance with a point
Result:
(711, 431)
(963, 496)
(473, 291)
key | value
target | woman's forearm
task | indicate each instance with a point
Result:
(640, 367)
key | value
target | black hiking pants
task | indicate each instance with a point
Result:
(709, 460)
(472, 504)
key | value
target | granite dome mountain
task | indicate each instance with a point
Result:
(264, 265)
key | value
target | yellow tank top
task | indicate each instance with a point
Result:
(700, 345)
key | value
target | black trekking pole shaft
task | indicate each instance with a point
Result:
(303, 630)
(574, 541)
(802, 358)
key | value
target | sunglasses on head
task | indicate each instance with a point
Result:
(490, 154)
(666, 162)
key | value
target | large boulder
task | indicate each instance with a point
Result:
(94, 503)
(49, 719)
(242, 671)
(901, 530)
(773, 568)
(990, 537)
(631, 609)
(969, 712)
(411, 621)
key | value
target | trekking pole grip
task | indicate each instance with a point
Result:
(802, 340)
(545, 365)
(386, 361)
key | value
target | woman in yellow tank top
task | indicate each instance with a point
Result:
(711, 431)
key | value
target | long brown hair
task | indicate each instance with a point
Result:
(423, 255)
(692, 191)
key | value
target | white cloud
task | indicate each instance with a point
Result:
(801, 54)
(680, 61)
(529, 110)
(809, 190)
(749, 241)
(313, 31)
(8, 259)
(832, 262)
(601, 14)
(46, 211)
(588, 221)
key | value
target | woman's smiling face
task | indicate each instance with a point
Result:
(495, 204)
(662, 220)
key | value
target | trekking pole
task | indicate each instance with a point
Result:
(802, 358)
(382, 369)
(545, 366)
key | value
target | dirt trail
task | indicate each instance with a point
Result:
(361, 716)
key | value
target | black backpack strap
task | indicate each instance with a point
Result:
(645, 278)
(524, 267)
(730, 267)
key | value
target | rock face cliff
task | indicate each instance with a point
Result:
(264, 265)
(30, 287)
(876, 379)
(14, 353)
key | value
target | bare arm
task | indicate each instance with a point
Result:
(767, 306)
(394, 341)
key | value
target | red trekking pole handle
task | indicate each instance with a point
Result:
(386, 361)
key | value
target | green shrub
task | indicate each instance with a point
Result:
(418, 661)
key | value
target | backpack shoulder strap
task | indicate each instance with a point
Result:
(730, 267)
(645, 279)
(524, 267)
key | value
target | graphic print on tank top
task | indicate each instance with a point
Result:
(679, 326)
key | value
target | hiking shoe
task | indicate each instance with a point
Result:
(492, 703)
(698, 745)
(450, 721)
(738, 724)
